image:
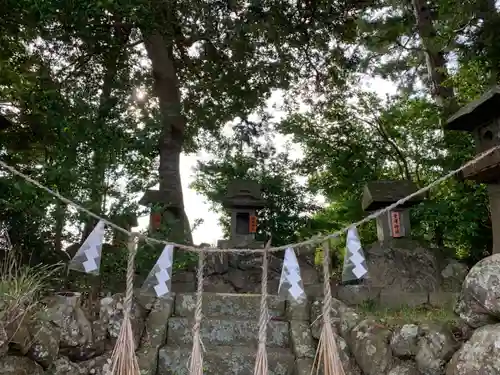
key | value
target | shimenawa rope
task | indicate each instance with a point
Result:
(310, 241)
(261, 364)
(196, 360)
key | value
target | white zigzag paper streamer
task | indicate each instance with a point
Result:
(159, 279)
(355, 252)
(88, 256)
(290, 274)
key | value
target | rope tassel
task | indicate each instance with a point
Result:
(327, 353)
(196, 359)
(261, 364)
(123, 359)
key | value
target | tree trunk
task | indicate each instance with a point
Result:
(489, 39)
(166, 88)
(434, 57)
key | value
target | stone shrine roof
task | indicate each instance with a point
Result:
(155, 196)
(476, 113)
(243, 193)
(380, 194)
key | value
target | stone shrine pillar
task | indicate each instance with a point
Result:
(380, 194)
(482, 119)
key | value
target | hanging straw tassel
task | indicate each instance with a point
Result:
(196, 361)
(261, 365)
(123, 359)
(327, 352)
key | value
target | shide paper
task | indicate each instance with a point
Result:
(354, 261)
(159, 280)
(88, 257)
(291, 285)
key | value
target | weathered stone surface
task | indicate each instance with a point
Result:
(478, 356)
(394, 299)
(435, 348)
(369, 343)
(402, 264)
(242, 306)
(404, 341)
(404, 368)
(303, 366)
(343, 317)
(227, 332)
(97, 366)
(348, 362)
(453, 276)
(224, 360)
(479, 302)
(217, 284)
(64, 311)
(298, 311)
(111, 313)
(10, 365)
(358, 294)
(301, 339)
(45, 344)
(155, 334)
(63, 366)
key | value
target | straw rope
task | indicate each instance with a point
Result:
(261, 365)
(311, 241)
(327, 352)
(123, 359)
(196, 360)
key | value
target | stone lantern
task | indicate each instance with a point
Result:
(380, 194)
(243, 199)
(482, 119)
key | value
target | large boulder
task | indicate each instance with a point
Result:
(404, 341)
(111, 315)
(478, 356)
(479, 301)
(45, 344)
(369, 343)
(403, 265)
(436, 346)
(64, 311)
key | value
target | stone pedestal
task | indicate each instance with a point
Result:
(494, 194)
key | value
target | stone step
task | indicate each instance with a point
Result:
(224, 360)
(240, 306)
(234, 332)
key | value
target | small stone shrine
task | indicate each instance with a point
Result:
(380, 194)
(482, 119)
(163, 213)
(243, 200)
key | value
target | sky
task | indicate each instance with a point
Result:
(198, 207)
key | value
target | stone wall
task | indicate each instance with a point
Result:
(355, 295)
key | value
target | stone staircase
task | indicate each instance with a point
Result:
(229, 333)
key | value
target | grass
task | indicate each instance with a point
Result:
(20, 288)
(408, 315)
